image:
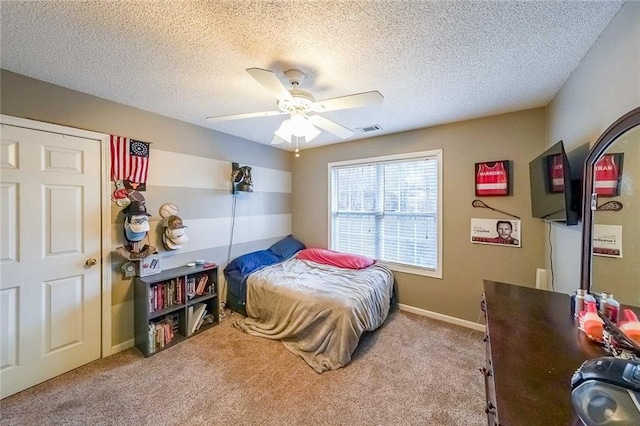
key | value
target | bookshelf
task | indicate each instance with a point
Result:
(174, 305)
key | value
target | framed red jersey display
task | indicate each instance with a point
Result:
(556, 173)
(607, 173)
(492, 178)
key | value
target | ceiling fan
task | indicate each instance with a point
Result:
(304, 122)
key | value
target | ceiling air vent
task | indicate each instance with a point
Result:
(370, 128)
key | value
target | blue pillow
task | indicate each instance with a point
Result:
(249, 262)
(287, 247)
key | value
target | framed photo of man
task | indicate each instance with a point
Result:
(502, 232)
(492, 178)
(607, 240)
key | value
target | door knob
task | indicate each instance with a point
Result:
(90, 262)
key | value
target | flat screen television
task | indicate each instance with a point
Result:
(554, 195)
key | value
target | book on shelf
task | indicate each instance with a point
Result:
(189, 319)
(151, 341)
(191, 287)
(198, 311)
(165, 295)
(202, 284)
(162, 332)
(199, 324)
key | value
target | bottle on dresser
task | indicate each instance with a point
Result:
(609, 307)
(602, 302)
(612, 309)
(578, 301)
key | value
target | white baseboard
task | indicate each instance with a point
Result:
(123, 346)
(442, 317)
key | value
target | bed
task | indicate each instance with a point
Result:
(316, 301)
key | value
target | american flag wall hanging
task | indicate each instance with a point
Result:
(129, 160)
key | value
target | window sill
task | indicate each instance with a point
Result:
(413, 270)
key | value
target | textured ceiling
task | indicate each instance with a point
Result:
(434, 61)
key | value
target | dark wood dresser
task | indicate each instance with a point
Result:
(533, 348)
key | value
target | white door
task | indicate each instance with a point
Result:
(50, 229)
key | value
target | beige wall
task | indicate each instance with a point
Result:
(604, 86)
(518, 137)
(205, 204)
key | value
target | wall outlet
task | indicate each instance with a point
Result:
(541, 279)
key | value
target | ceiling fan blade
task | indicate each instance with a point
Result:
(247, 115)
(269, 80)
(350, 101)
(277, 140)
(330, 126)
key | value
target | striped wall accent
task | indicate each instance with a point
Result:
(171, 169)
(201, 189)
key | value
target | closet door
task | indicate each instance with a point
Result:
(50, 251)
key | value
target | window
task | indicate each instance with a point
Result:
(389, 208)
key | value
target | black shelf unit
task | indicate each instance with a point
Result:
(165, 302)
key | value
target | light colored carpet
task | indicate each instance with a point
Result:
(411, 371)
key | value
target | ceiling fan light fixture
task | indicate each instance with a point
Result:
(296, 127)
(312, 132)
(301, 127)
(277, 140)
(285, 131)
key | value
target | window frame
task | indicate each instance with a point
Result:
(436, 154)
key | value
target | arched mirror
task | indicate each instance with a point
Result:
(611, 213)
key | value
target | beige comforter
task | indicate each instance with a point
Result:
(318, 311)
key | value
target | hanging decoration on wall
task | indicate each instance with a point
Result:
(174, 235)
(610, 206)
(129, 162)
(555, 166)
(481, 204)
(168, 209)
(607, 173)
(241, 178)
(501, 232)
(492, 178)
(607, 240)
(136, 232)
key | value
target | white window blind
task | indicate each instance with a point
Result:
(387, 210)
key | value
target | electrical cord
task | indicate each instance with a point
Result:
(551, 258)
(233, 225)
(477, 321)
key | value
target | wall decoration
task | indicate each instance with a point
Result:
(174, 235)
(607, 174)
(492, 178)
(607, 240)
(482, 204)
(503, 232)
(555, 170)
(129, 162)
(609, 206)
(136, 233)
(168, 209)
(241, 178)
